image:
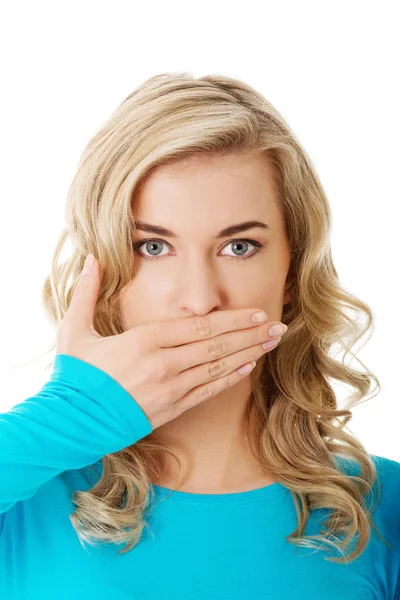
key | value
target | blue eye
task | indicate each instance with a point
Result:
(238, 242)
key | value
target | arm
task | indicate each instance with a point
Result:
(77, 417)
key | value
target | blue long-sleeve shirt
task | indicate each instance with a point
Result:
(199, 547)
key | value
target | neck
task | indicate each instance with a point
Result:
(208, 440)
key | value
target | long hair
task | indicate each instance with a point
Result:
(293, 424)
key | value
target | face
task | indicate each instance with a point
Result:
(200, 270)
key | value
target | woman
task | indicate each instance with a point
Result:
(223, 500)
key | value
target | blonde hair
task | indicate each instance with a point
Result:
(293, 425)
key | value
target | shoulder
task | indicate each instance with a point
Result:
(388, 471)
(388, 468)
(388, 476)
(385, 500)
(387, 514)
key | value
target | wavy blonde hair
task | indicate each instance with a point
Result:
(293, 425)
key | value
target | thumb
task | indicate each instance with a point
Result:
(81, 309)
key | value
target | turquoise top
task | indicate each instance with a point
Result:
(198, 546)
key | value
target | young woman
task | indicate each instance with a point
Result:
(186, 477)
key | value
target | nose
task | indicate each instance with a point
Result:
(200, 289)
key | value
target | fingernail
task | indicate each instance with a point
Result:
(259, 317)
(89, 264)
(278, 329)
(270, 344)
(247, 368)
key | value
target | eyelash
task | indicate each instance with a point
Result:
(258, 246)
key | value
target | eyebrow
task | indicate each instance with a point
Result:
(231, 230)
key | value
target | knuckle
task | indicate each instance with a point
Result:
(168, 366)
(204, 393)
(227, 381)
(258, 336)
(218, 346)
(216, 368)
(236, 324)
(169, 394)
(161, 369)
(203, 325)
(153, 370)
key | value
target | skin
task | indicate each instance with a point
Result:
(196, 275)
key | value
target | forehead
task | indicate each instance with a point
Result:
(201, 198)
(221, 180)
(202, 162)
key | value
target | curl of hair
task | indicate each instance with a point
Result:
(294, 427)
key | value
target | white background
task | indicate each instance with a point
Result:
(331, 69)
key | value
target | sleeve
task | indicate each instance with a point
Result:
(77, 417)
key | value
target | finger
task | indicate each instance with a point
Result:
(81, 309)
(209, 389)
(180, 359)
(176, 332)
(206, 373)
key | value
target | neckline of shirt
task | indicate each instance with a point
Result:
(264, 492)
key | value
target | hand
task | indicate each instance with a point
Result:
(166, 366)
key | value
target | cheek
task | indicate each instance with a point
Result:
(142, 300)
(266, 291)
(131, 306)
